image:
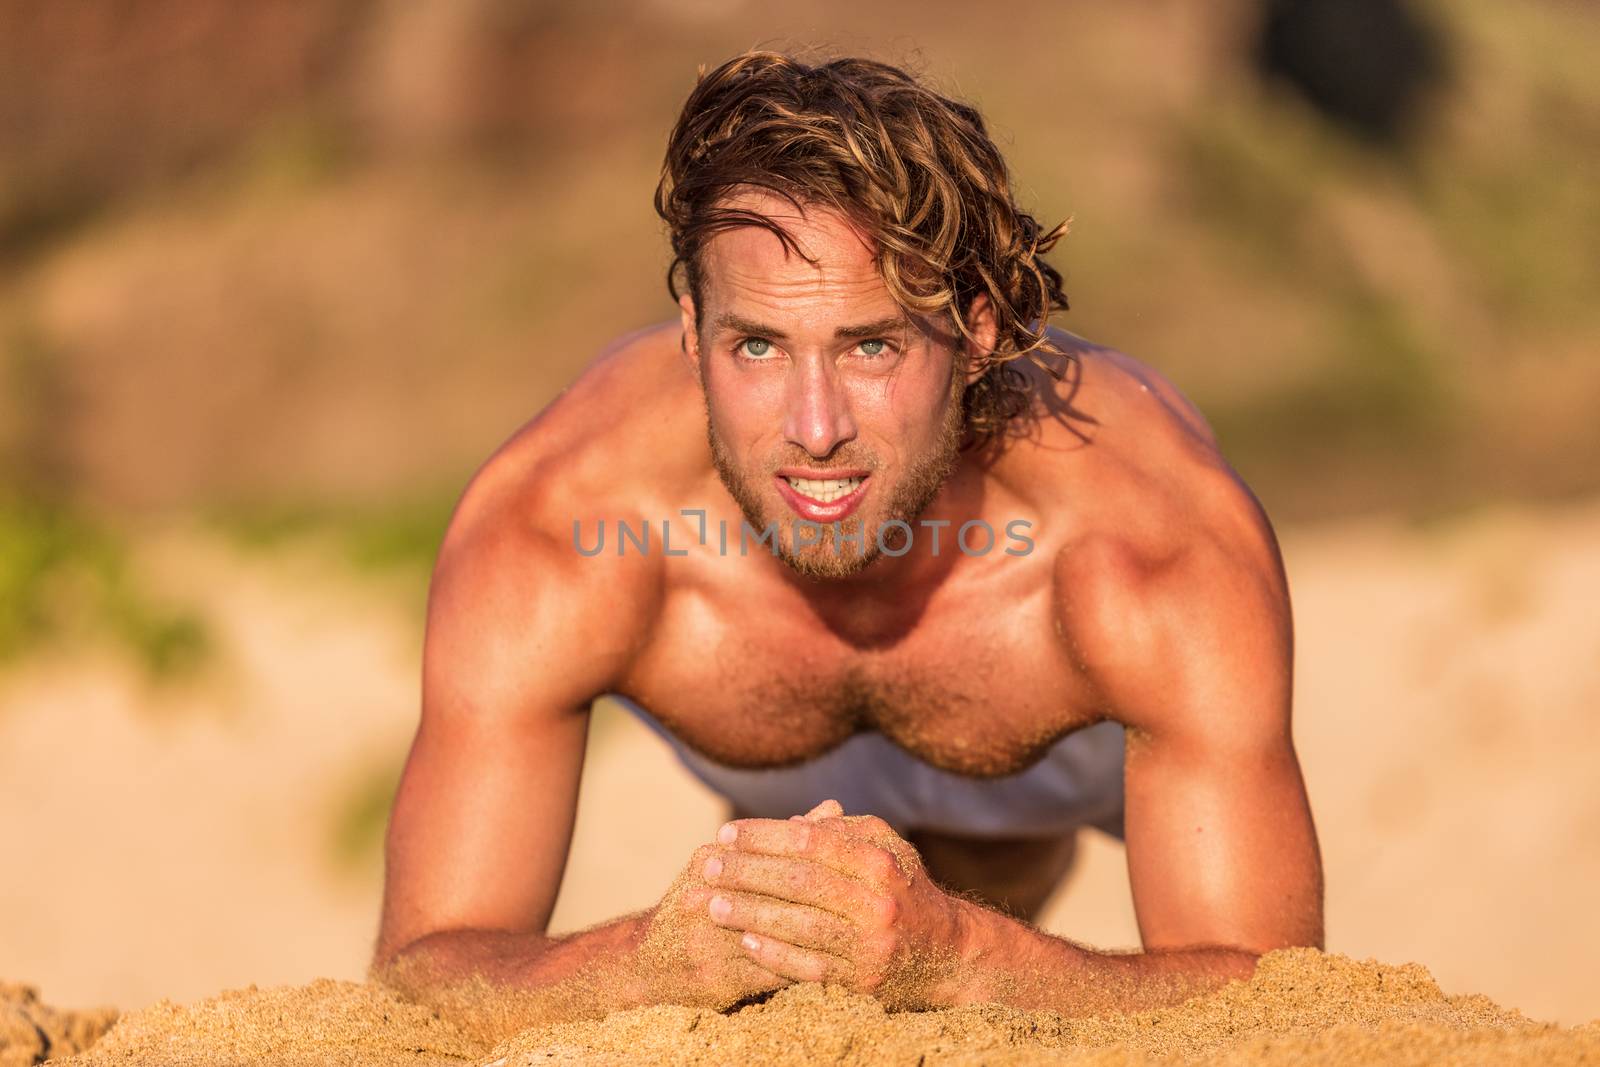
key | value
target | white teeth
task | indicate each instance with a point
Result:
(824, 490)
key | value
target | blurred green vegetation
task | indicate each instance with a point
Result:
(393, 540)
(402, 534)
(362, 815)
(1377, 385)
(1385, 392)
(63, 574)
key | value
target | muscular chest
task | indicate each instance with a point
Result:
(978, 688)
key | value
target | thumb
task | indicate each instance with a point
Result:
(828, 809)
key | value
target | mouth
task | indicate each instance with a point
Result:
(826, 499)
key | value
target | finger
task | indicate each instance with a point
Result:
(828, 809)
(834, 843)
(749, 975)
(867, 826)
(794, 962)
(880, 832)
(825, 840)
(796, 880)
(797, 924)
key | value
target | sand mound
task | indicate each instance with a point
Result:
(31, 1031)
(1301, 1007)
(326, 1022)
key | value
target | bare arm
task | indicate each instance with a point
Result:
(1193, 654)
(521, 636)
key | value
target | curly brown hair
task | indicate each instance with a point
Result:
(916, 171)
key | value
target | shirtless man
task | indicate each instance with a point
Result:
(912, 719)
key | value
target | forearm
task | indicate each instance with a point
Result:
(1004, 961)
(494, 982)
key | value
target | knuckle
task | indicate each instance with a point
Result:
(881, 865)
(795, 878)
(885, 911)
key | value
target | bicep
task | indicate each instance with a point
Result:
(515, 650)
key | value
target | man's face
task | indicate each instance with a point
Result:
(826, 402)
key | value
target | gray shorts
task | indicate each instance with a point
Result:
(1077, 783)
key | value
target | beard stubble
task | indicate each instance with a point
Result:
(855, 547)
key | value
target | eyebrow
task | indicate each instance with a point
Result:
(730, 321)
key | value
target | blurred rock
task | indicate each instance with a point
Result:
(1366, 64)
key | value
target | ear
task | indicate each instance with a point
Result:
(981, 324)
(691, 335)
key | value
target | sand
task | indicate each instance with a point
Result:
(341, 1024)
(1301, 1007)
(31, 1031)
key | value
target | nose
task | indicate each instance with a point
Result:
(816, 408)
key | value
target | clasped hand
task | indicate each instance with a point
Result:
(834, 898)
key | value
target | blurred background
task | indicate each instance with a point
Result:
(275, 278)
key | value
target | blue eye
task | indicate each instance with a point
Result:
(879, 350)
(755, 347)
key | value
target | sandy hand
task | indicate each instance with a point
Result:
(691, 960)
(836, 898)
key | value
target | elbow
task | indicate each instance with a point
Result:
(1240, 963)
(1230, 961)
(412, 965)
(391, 957)
(1309, 935)
(443, 958)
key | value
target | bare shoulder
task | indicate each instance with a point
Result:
(1171, 562)
(1097, 391)
(517, 617)
(1125, 456)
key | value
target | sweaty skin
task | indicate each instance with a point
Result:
(1153, 596)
